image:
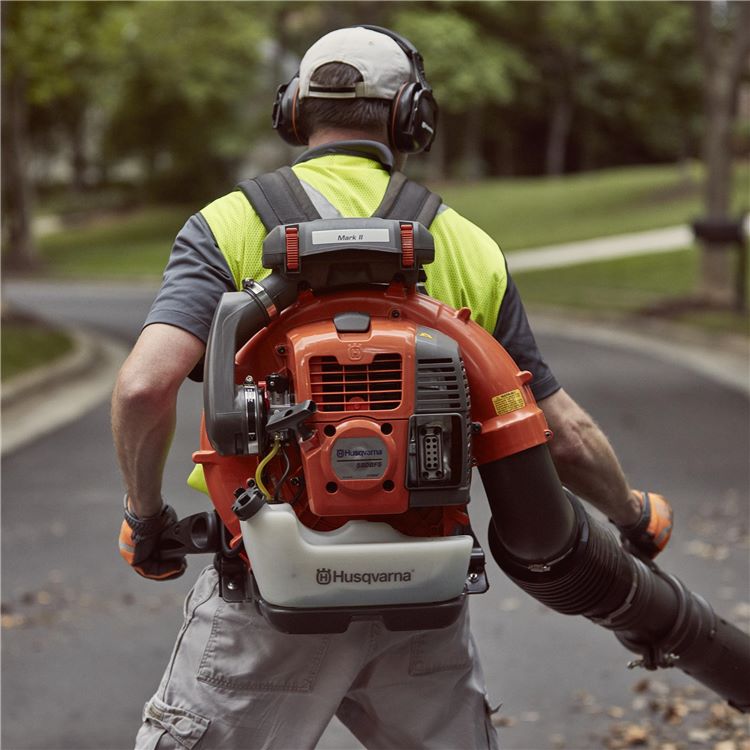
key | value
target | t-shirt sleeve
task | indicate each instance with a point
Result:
(195, 278)
(514, 333)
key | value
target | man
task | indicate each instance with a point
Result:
(232, 680)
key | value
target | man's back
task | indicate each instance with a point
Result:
(469, 269)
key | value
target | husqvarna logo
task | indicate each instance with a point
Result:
(326, 575)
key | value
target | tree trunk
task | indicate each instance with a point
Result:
(559, 130)
(79, 164)
(725, 58)
(472, 166)
(20, 253)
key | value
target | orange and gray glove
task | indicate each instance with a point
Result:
(649, 535)
(139, 539)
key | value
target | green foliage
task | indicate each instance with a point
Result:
(465, 67)
(189, 76)
(174, 96)
(25, 345)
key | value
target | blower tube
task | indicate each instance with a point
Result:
(545, 541)
(239, 316)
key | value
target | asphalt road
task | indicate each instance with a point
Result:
(84, 641)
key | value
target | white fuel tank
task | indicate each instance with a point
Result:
(362, 563)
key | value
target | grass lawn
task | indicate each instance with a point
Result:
(522, 213)
(26, 344)
(518, 213)
(133, 244)
(628, 286)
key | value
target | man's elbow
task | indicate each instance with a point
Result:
(141, 392)
(569, 446)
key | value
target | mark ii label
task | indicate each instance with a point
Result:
(351, 235)
(359, 458)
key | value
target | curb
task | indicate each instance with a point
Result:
(47, 398)
(83, 356)
(723, 358)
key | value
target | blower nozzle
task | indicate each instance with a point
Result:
(576, 566)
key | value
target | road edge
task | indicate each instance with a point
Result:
(44, 400)
(47, 398)
(722, 358)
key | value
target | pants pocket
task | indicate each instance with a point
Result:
(243, 652)
(442, 650)
(182, 728)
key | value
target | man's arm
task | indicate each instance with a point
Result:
(585, 461)
(143, 409)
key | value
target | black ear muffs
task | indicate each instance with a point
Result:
(414, 111)
(413, 119)
(285, 117)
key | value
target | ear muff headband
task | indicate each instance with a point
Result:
(414, 110)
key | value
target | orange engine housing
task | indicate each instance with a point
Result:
(355, 464)
(376, 399)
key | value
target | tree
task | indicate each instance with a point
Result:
(52, 82)
(193, 91)
(468, 69)
(724, 34)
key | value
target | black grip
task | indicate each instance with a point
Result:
(193, 535)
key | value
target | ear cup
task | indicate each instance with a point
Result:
(286, 113)
(413, 119)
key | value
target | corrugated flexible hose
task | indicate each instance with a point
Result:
(579, 568)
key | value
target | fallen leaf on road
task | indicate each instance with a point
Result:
(509, 604)
(530, 716)
(635, 735)
(741, 611)
(676, 711)
(726, 745)
(12, 621)
(700, 736)
(698, 548)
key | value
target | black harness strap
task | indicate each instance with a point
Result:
(278, 198)
(409, 201)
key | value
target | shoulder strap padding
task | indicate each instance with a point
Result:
(409, 201)
(278, 198)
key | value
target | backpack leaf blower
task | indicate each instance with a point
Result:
(343, 412)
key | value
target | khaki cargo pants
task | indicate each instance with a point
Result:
(235, 682)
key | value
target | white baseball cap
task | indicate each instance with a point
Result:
(382, 63)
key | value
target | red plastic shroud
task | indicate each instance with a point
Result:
(501, 401)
